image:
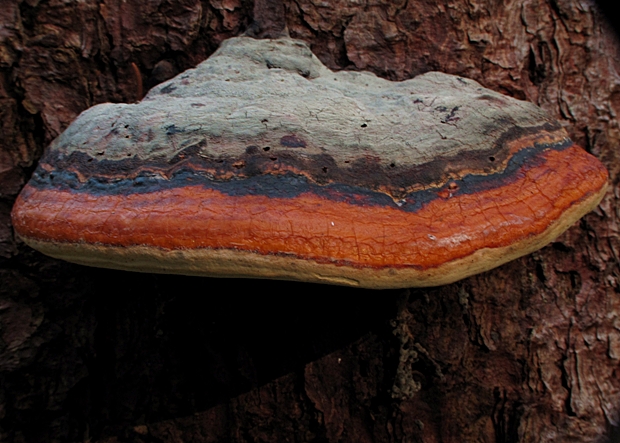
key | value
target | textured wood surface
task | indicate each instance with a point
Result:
(526, 353)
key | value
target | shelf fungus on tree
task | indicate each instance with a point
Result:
(261, 162)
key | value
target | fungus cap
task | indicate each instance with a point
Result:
(261, 162)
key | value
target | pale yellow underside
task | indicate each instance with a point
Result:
(244, 264)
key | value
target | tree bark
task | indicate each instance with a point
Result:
(529, 352)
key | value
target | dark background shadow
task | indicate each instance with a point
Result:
(119, 349)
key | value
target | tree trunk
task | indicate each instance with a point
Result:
(529, 352)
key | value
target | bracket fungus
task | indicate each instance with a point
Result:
(261, 162)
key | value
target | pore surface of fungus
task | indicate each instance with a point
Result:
(261, 162)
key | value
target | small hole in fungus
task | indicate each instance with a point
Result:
(392, 165)
(126, 136)
(492, 159)
(347, 161)
(89, 160)
(126, 126)
(266, 148)
(273, 159)
(364, 125)
(325, 169)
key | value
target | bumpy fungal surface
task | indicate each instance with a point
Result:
(261, 162)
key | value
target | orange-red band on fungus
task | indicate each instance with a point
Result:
(313, 227)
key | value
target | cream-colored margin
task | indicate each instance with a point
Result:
(244, 264)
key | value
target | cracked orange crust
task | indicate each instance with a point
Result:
(353, 241)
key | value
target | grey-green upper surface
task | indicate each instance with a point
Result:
(254, 92)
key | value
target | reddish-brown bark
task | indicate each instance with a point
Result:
(528, 352)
